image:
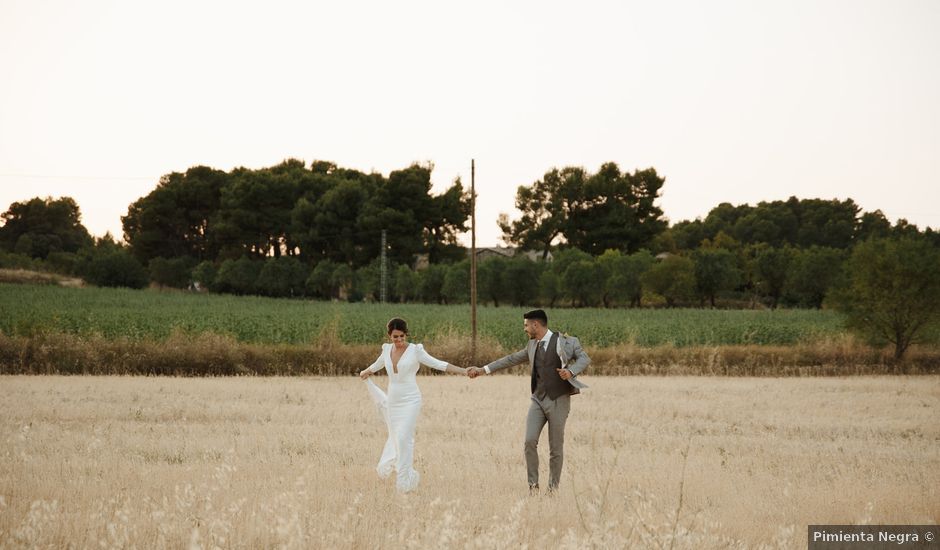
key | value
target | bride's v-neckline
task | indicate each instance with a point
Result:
(392, 358)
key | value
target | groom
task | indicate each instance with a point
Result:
(555, 359)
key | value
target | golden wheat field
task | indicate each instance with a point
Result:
(684, 462)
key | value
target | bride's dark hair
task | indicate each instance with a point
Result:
(397, 324)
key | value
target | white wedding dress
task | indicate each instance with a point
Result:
(400, 410)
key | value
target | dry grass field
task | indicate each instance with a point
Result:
(684, 462)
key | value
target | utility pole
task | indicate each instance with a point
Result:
(473, 262)
(384, 270)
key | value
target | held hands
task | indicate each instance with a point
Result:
(565, 374)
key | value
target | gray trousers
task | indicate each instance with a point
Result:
(555, 412)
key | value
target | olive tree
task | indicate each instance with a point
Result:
(893, 291)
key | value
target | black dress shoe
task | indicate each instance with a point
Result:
(533, 489)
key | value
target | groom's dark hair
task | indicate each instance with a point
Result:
(537, 314)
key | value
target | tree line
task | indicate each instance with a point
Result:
(316, 213)
(294, 230)
(598, 240)
(315, 231)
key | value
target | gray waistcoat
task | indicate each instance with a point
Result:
(546, 380)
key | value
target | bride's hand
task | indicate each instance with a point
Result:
(363, 374)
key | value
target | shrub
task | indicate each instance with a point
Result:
(174, 272)
(115, 268)
(237, 276)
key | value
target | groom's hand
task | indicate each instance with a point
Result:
(565, 374)
(473, 372)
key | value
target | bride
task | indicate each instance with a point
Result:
(401, 360)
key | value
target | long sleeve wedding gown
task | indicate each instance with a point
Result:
(401, 408)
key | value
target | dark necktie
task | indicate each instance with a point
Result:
(536, 359)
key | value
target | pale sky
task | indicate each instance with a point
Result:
(732, 101)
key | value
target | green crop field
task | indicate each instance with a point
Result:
(26, 309)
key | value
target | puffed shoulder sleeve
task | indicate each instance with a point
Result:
(425, 359)
(379, 363)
